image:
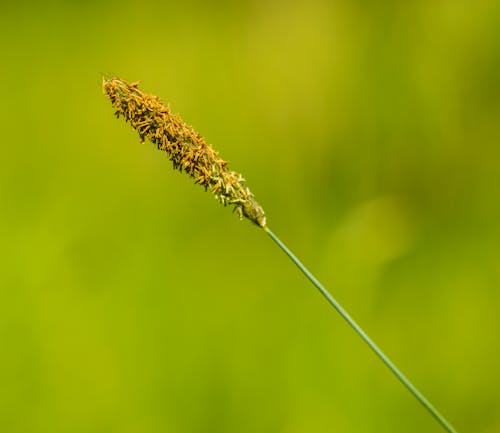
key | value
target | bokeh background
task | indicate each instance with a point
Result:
(131, 301)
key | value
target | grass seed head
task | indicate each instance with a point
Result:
(186, 148)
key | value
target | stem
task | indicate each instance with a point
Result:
(383, 357)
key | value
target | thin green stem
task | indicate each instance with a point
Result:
(383, 357)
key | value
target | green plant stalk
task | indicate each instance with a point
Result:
(345, 315)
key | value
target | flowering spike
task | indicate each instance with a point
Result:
(186, 148)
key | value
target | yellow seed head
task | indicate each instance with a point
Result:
(186, 148)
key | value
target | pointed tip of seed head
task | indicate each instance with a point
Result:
(109, 82)
(106, 81)
(107, 78)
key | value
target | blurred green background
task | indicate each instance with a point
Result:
(132, 302)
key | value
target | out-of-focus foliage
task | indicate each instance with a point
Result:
(131, 302)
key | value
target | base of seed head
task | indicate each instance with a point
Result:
(186, 148)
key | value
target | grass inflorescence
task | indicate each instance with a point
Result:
(187, 149)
